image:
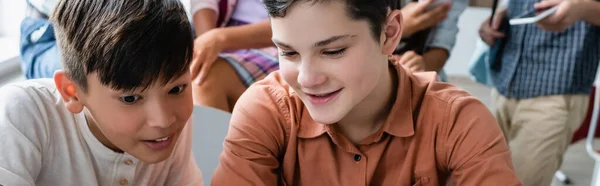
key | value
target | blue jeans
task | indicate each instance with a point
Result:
(40, 55)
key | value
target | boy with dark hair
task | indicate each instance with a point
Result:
(118, 113)
(338, 112)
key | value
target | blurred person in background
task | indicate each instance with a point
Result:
(40, 56)
(542, 80)
(232, 50)
(429, 35)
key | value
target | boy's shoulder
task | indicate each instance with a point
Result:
(427, 86)
(278, 94)
(274, 89)
(447, 107)
(270, 97)
(29, 95)
(27, 90)
(27, 110)
(30, 107)
(444, 100)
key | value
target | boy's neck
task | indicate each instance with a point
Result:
(93, 126)
(367, 117)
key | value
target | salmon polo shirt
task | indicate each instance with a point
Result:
(434, 132)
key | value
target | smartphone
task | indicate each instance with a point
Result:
(530, 17)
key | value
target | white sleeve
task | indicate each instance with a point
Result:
(184, 170)
(196, 5)
(20, 137)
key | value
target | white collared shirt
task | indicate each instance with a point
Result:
(42, 143)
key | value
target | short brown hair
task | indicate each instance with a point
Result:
(374, 11)
(131, 44)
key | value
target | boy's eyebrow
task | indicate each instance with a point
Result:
(281, 44)
(331, 40)
(317, 44)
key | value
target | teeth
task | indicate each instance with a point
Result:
(162, 139)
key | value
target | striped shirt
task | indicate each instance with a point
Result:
(540, 63)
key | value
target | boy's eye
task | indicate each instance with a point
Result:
(287, 54)
(334, 52)
(177, 89)
(129, 99)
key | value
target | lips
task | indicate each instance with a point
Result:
(160, 143)
(322, 98)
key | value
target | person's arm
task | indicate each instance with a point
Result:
(435, 59)
(591, 12)
(255, 35)
(204, 15)
(21, 161)
(443, 38)
(21, 139)
(254, 142)
(204, 20)
(208, 45)
(568, 13)
(472, 146)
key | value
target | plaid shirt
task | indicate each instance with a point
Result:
(540, 63)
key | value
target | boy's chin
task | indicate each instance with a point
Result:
(150, 156)
(327, 117)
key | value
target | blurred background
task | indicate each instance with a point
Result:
(577, 165)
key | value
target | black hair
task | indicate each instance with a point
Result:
(131, 44)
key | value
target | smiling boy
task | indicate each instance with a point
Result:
(118, 113)
(339, 113)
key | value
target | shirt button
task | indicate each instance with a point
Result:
(123, 181)
(357, 157)
(128, 162)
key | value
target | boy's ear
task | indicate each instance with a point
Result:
(68, 91)
(392, 32)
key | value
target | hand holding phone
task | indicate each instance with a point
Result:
(566, 15)
(527, 17)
